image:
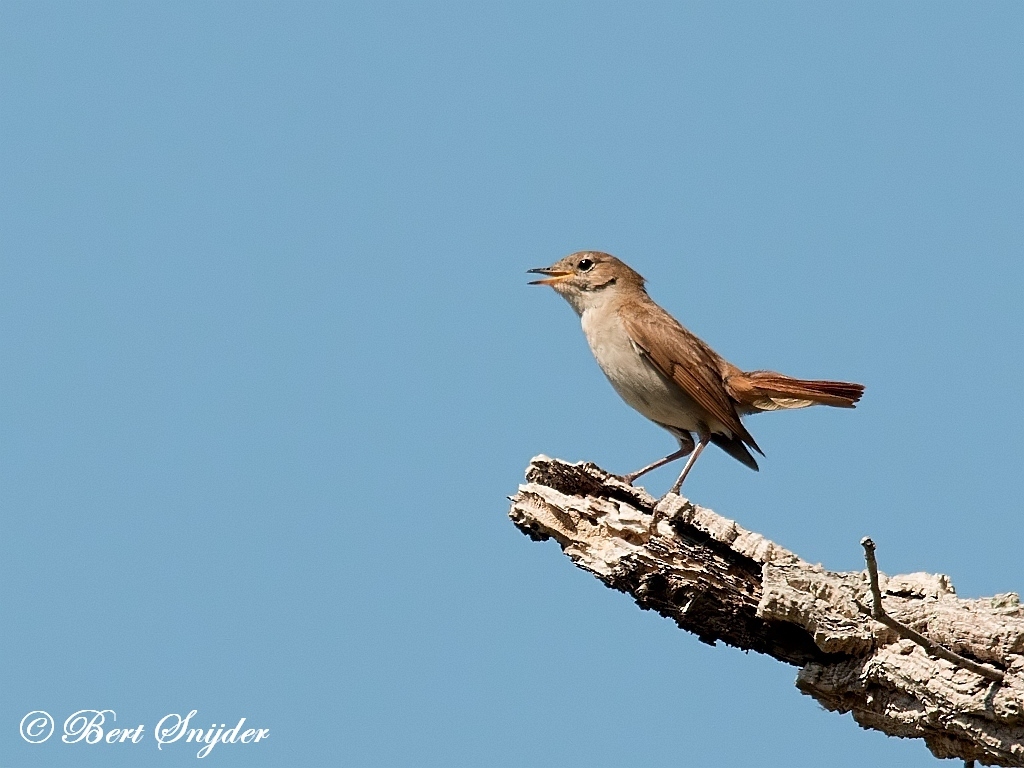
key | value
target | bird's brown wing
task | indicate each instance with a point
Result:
(685, 360)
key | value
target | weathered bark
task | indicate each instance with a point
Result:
(722, 582)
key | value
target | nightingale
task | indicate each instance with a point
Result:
(668, 374)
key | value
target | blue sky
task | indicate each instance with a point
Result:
(271, 366)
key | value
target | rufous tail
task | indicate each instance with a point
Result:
(770, 391)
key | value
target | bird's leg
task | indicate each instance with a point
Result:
(659, 463)
(705, 438)
(685, 446)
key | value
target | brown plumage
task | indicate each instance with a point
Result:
(668, 374)
(771, 391)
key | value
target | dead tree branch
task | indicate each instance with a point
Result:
(878, 613)
(724, 583)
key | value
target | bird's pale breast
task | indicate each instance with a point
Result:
(633, 376)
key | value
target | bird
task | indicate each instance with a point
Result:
(669, 375)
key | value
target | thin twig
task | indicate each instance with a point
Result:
(878, 614)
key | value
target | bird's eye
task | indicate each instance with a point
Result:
(585, 265)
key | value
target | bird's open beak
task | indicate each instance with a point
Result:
(553, 275)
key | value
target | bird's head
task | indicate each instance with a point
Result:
(588, 277)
